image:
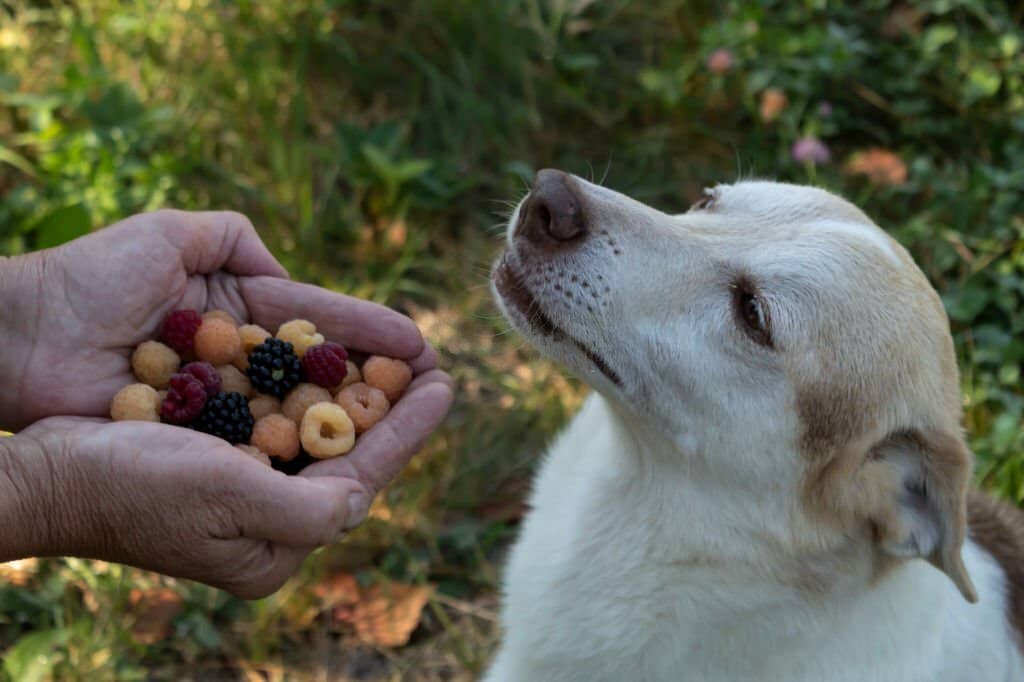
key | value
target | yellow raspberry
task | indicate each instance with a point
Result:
(276, 435)
(365, 405)
(154, 363)
(217, 342)
(352, 376)
(262, 405)
(389, 375)
(254, 453)
(301, 397)
(136, 402)
(327, 431)
(252, 335)
(233, 381)
(301, 334)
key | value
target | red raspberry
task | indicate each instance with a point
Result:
(325, 364)
(207, 374)
(179, 330)
(185, 399)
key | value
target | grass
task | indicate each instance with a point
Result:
(376, 145)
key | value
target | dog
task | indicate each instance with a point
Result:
(770, 479)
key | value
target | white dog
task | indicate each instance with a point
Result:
(770, 482)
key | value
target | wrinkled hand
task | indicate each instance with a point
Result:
(184, 503)
(76, 312)
(163, 497)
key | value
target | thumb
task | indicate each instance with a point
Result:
(299, 512)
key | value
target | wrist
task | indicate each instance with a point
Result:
(20, 281)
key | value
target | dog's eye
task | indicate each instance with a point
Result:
(752, 314)
(706, 201)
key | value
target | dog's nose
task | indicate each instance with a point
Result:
(553, 213)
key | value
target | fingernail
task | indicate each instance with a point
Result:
(358, 506)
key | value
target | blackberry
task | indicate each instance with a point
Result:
(274, 368)
(227, 416)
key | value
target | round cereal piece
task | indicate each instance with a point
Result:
(222, 315)
(251, 335)
(136, 402)
(352, 376)
(301, 397)
(327, 431)
(301, 334)
(153, 363)
(233, 381)
(255, 453)
(365, 405)
(262, 405)
(276, 435)
(217, 342)
(389, 375)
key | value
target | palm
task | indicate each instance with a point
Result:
(119, 284)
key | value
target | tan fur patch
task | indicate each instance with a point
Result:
(999, 529)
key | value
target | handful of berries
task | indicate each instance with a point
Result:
(290, 397)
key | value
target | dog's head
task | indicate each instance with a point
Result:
(772, 332)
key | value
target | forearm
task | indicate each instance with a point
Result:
(20, 279)
(24, 497)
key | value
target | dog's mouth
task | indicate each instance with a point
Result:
(513, 290)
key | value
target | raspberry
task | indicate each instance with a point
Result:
(154, 363)
(325, 364)
(365, 405)
(206, 373)
(136, 402)
(179, 330)
(185, 399)
(217, 342)
(252, 335)
(262, 405)
(301, 398)
(274, 368)
(234, 381)
(301, 334)
(278, 436)
(327, 431)
(227, 416)
(352, 376)
(389, 375)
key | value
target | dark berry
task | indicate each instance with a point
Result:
(227, 416)
(274, 368)
(325, 364)
(206, 373)
(179, 330)
(185, 399)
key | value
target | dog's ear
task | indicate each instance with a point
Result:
(923, 512)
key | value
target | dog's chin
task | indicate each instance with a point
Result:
(525, 312)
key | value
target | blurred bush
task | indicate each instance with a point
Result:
(373, 143)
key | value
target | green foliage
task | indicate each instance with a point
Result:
(371, 142)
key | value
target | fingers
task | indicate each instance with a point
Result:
(386, 448)
(425, 361)
(294, 511)
(215, 240)
(261, 569)
(359, 325)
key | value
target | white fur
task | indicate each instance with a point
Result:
(666, 539)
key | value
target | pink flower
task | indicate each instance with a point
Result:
(810, 150)
(720, 60)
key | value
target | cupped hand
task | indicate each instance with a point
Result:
(174, 501)
(76, 312)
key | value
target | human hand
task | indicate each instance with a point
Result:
(175, 501)
(76, 312)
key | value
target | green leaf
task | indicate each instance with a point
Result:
(62, 225)
(936, 37)
(15, 159)
(30, 659)
(982, 81)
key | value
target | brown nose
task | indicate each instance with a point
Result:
(553, 213)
